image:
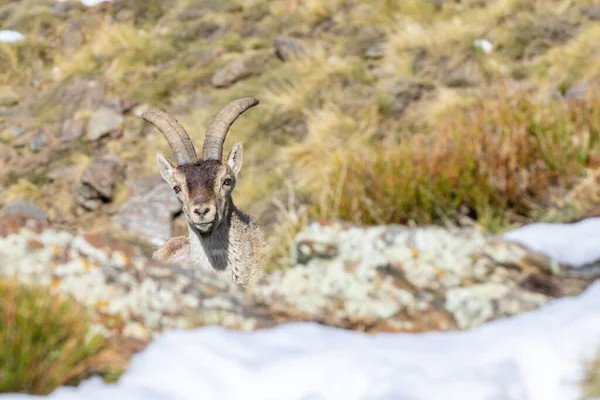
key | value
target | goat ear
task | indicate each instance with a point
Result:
(235, 157)
(165, 167)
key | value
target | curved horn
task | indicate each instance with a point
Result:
(215, 135)
(179, 140)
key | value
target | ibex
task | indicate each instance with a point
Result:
(221, 238)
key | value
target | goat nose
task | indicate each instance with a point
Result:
(201, 211)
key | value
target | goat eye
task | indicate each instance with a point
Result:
(227, 182)
(177, 189)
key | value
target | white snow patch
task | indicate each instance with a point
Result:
(88, 3)
(484, 45)
(574, 244)
(539, 355)
(91, 3)
(7, 36)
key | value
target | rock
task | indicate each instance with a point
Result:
(535, 37)
(369, 42)
(78, 95)
(288, 48)
(8, 98)
(150, 209)
(38, 142)
(88, 197)
(287, 124)
(121, 106)
(591, 11)
(195, 30)
(230, 73)
(128, 295)
(404, 92)
(461, 72)
(71, 36)
(63, 174)
(137, 111)
(16, 131)
(71, 130)
(98, 182)
(103, 122)
(380, 278)
(394, 278)
(376, 51)
(204, 57)
(581, 91)
(23, 209)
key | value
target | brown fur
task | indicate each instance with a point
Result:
(176, 248)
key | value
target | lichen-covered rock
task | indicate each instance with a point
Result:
(394, 278)
(128, 295)
(383, 278)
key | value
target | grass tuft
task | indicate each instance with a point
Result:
(591, 386)
(493, 162)
(46, 342)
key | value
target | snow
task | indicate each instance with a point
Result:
(88, 3)
(539, 355)
(575, 244)
(91, 3)
(7, 36)
(485, 45)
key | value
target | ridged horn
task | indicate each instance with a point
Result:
(178, 138)
(217, 131)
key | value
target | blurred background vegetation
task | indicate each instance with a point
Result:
(472, 113)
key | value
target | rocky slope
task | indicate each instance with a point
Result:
(335, 79)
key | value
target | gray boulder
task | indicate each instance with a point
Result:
(230, 73)
(150, 209)
(98, 182)
(24, 209)
(103, 122)
(289, 48)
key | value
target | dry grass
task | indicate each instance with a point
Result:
(591, 385)
(494, 162)
(46, 342)
(291, 217)
(324, 123)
